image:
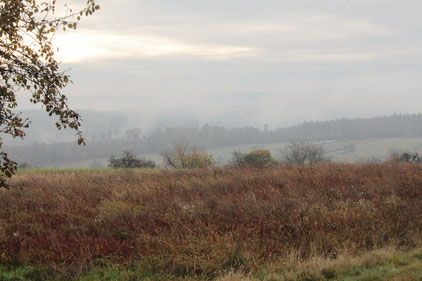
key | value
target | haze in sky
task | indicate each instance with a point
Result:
(276, 62)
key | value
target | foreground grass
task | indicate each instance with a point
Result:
(176, 225)
(24, 171)
(383, 264)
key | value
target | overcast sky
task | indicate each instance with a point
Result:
(250, 62)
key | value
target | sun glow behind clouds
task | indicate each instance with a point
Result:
(316, 59)
(325, 38)
(88, 45)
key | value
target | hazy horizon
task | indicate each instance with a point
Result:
(264, 62)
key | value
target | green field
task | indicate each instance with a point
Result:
(380, 265)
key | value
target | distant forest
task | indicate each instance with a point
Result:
(213, 136)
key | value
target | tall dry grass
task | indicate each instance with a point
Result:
(208, 221)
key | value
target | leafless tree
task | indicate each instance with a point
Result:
(302, 152)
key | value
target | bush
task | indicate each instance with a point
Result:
(302, 152)
(257, 158)
(406, 157)
(238, 159)
(183, 156)
(129, 160)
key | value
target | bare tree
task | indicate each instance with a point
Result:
(302, 152)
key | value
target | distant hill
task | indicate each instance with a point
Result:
(112, 134)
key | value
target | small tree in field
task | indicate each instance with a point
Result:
(256, 158)
(260, 158)
(302, 152)
(183, 156)
(129, 160)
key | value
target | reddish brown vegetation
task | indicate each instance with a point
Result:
(204, 221)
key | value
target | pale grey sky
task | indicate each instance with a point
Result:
(250, 62)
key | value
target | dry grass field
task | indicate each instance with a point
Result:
(313, 222)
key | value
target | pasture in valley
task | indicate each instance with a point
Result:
(359, 150)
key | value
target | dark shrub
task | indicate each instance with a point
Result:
(406, 157)
(129, 160)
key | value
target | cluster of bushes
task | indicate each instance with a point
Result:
(299, 152)
(183, 156)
